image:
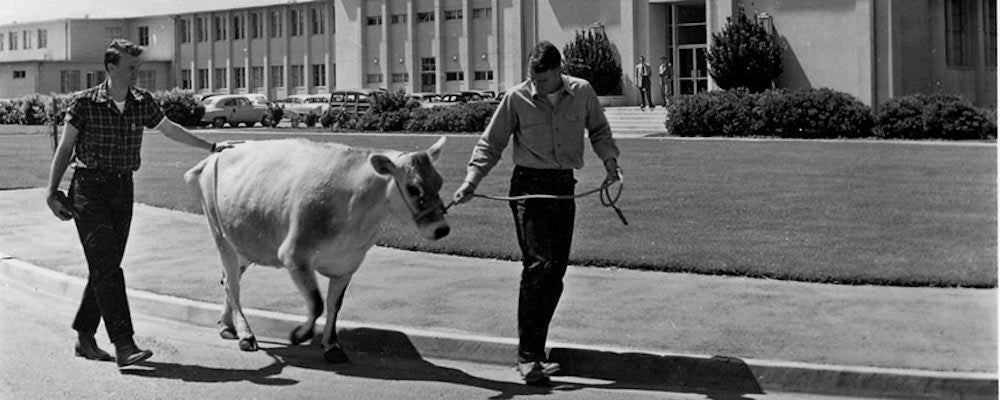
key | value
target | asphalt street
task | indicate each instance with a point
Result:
(192, 362)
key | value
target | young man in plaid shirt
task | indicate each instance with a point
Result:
(103, 135)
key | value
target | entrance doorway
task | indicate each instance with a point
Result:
(687, 43)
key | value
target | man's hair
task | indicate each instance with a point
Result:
(113, 54)
(544, 57)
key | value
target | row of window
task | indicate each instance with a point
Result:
(448, 76)
(428, 16)
(24, 40)
(296, 76)
(221, 27)
(70, 79)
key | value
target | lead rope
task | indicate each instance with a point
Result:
(607, 199)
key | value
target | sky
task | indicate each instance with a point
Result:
(44, 10)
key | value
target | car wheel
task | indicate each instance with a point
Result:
(218, 122)
(265, 121)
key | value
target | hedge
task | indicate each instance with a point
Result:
(181, 106)
(826, 113)
(465, 117)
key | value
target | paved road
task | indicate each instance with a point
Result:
(191, 362)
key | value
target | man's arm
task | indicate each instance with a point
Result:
(488, 150)
(180, 134)
(59, 163)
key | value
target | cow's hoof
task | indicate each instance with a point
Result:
(300, 335)
(248, 344)
(228, 333)
(335, 355)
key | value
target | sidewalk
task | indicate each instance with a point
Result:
(950, 333)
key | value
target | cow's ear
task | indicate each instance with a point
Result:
(435, 150)
(382, 164)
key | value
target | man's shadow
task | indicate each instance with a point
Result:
(390, 355)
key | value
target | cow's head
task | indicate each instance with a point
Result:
(416, 185)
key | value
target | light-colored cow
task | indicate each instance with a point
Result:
(307, 207)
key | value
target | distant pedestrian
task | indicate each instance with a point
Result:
(642, 79)
(547, 115)
(666, 80)
(103, 135)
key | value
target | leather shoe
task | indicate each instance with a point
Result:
(88, 349)
(128, 355)
(533, 373)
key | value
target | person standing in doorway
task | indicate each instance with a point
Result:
(666, 80)
(102, 138)
(549, 116)
(642, 78)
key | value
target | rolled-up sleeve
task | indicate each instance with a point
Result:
(491, 144)
(598, 129)
(75, 113)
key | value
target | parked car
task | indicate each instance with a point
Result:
(453, 99)
(234, 109)
(307, 103)
(354, 101)
(425, 97)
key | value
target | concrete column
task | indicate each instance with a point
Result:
(439, 38)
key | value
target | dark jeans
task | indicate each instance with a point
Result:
(644, 94)
(545, 234)
(103, 205)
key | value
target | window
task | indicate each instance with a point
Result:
(202, 78)
(147, 79)
(1, 42)
(185, 28)
(454, 76)
(990, 30)
(27, 39)
(297, 75)
(69, 81)
(43, 38)
(95, 78)
(484, 75)
(333, 74)
(428, 74)
(316, 21)
(256, 77)
(21, 74)
(143, 35)
(333, 22)
(478, 13)
(275, 24)
(957, 34)
(398, 19)
(376, 20)
(201, 29)
(373, 78)
(239, 77)
(185, 79)
(294, 22)
(220, 27)
(12, 40)
(426, 16)
(256, 28)
(400, 77)
(452, 15)
(239, 27)
(318, 75)
(277, 75)
(220, 78)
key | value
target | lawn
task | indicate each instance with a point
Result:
(853, 212)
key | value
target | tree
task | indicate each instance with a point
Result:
(744, 54)
(590, 56)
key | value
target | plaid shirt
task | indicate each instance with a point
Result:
(110, 139)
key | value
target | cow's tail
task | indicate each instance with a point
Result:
(202, 180)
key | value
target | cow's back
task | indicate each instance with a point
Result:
(261, 187)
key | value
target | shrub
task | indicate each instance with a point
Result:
(10, 111)
(813, 113)
(180, 106)
(382, 102)
(939, 116)
(311, 119)
(33, 109)
(743, 54)
(591, 56)
(275, 113)
(332, 118)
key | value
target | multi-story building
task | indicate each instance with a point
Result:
(872, 49)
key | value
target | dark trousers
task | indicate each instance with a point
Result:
(103, 205)
(545, 234)
(644, 94)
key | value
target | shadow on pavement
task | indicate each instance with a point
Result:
(194, 373)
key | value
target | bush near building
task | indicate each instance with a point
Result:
(591, 56)
(181, 106)
(744, 55)
(825, 113)
(392, 116)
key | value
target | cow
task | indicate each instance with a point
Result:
(309, 206)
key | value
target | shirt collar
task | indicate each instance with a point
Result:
(565, 87)
(101, 93)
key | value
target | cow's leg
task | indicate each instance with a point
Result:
(305, 280)
(227, 327)
(232, 272)
(332, 351)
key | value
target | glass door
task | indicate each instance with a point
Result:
(687, 37)
(692, 70)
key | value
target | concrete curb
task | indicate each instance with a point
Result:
(681, 372)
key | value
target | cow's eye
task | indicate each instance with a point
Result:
(413, 190)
